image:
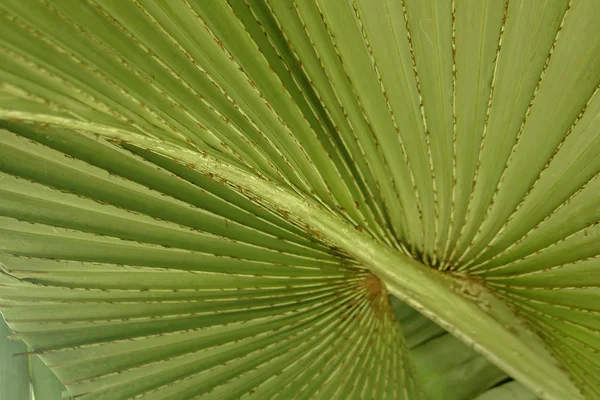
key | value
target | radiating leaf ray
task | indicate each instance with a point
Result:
(577, 214)
(578, 246)
(518, 73)
(335, 66)
(202, 194)
(544, 199)
(288, 71)
(581, 273)
(478, 29)
(567, 99)
(430, 25)
(292, 29)
(317, 168)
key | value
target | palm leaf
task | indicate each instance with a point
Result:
(210, 199)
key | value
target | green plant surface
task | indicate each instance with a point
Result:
(511, 390)
(14, 368)
(44, 384)
(214, 199)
